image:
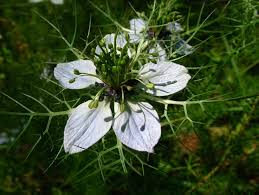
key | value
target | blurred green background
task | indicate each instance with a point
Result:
(218, 154)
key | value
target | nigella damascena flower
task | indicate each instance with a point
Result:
(135, 123)
(57, 2)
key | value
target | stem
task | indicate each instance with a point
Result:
(37, 113)
(188, 102)
(122, 157)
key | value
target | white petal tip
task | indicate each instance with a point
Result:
(151, 151)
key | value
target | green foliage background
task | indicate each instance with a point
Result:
(218, 154)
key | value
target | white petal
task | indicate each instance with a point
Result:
(109, 39)
(57, 2)
(64, 73)
(160, 51)
(138, 126)
(167, 77)
(86, 126)
(137, 27)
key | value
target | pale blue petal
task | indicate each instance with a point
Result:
(86, 126)
(167, 78)
(138, 126)
(65, 74)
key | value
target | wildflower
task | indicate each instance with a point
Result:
(57, 2)
(135, 123)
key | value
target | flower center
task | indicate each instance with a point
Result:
(113, 65)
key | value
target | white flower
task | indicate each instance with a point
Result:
(138, 32)
(57, 2)
(136, 124)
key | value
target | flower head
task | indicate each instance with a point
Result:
(135, 123)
